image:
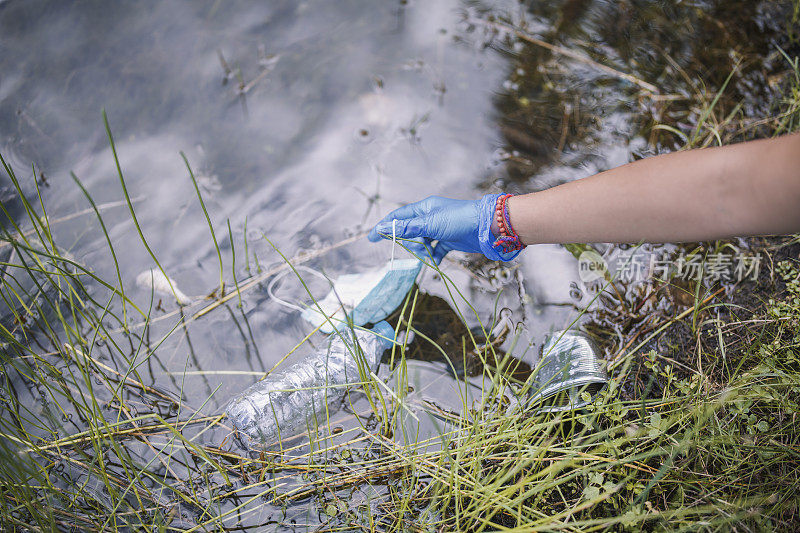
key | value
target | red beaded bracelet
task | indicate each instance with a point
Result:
(508, 239)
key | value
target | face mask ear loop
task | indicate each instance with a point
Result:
(394, 240)
(278, 277)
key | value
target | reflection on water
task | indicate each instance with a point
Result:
(442, 337)
(308, 121)
(305, 122)
(348, 112)
(556, 113)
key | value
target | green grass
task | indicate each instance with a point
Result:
(708, 441)
(85, 448)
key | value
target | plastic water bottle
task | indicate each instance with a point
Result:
(287, 403)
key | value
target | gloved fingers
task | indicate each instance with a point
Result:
(409, 228)
(425, 250)
(420, 247)
(440, 250)
(406, 212)
(383, 227)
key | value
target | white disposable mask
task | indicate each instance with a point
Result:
(363, 298)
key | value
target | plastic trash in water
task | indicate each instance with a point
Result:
(159, 283)
(363, 298)
(358, 299)
(287, 403)
(568, 369)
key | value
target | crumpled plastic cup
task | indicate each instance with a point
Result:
(569, 368)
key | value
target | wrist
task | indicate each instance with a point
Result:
(495, 228)
(508, 239)
(496, 236)
(497, 231)
(514, 223)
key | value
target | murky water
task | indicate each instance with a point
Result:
(305, 122)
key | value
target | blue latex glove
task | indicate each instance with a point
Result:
(421, 247)
(464, 225)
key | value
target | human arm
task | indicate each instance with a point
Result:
(745, 189)
(714, 193)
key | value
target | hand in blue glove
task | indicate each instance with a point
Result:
(421, 247)
(464, 225)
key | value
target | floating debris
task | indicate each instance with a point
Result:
(569, 376)
(155, 280)
(296, 400)
(366, 297)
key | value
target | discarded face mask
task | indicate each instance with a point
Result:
(365, 298)
(568, 371)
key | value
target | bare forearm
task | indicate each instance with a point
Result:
(745, 189)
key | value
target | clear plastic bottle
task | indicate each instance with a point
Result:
(294, 400)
